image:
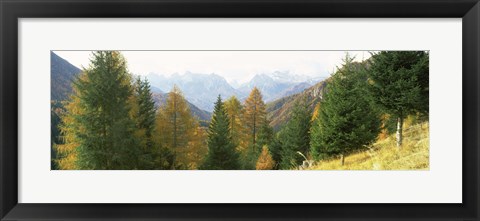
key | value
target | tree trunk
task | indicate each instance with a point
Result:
(254, 128)
(342, 159)
(399, 132)
(174, 122)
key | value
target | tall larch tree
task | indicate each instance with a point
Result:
(399, 84)
(255, 116)
(197, 149)
(222, 154)
(234, 110)
(56, 112)
(176, 126)
(295, 137)
(66, 150)
(256, 128)
(97, 128)
(347, 120)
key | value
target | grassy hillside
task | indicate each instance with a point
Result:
(384, 155)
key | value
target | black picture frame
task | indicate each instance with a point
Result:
(12, 10)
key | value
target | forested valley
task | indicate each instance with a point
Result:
(367, 115)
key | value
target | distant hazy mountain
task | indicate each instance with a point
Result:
(286, 76)
(235, 84)
(295, 89)
(62, 74)
(269, 87)
(154, 89)
(278, 84)
(199, 89)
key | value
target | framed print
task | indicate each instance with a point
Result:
(321, 110)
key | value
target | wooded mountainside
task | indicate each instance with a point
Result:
(105, 118)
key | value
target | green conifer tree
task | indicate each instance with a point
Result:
(222, 154)
(295, 137)
(98, 130)
(422, 68)
(276, 150)
(347, 120)
(265, 134)
(143, 113)
(400, 84)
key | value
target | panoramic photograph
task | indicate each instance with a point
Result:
(239, 110)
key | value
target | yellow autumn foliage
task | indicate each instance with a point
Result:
(265, 161)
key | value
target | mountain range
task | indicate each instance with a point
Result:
(203, 89)
(63, 73)
(200, 89)
(280, 90)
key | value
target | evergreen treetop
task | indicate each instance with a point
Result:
(347, 119)
(295, 137)
(222, 154)
(98, 129)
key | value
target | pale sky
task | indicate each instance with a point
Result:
(238, 66)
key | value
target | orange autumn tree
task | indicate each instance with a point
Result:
(265, 161)
(257, 129)
(66, 152)
(235, 112)
(254, 117)
(177, 129)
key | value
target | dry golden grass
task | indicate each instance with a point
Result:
(384, 155)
